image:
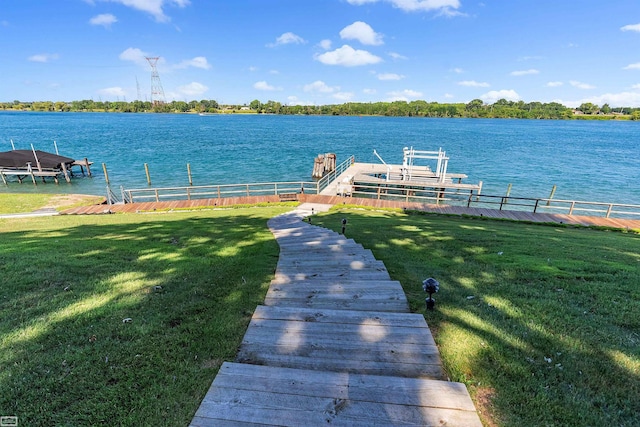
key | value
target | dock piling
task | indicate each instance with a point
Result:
(553, 191)
(189, 173)
(146, 171)
(65, 172)
(106, 175)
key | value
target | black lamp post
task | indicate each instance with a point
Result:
(344, 224)
(430, 286)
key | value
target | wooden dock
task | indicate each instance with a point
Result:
(375, 177)
(333, 344)
(515, 215)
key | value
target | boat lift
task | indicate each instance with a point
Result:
(410, 154)
(384, 163)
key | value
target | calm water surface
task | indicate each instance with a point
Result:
(595, 161)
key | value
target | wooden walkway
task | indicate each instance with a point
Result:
(333, 344)
(516, 215)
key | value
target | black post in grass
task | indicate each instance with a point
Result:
(430, 286)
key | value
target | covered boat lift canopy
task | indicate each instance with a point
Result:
(20, 159)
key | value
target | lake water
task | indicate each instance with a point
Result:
(587, 160)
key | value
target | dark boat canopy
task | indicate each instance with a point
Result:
(20, 158)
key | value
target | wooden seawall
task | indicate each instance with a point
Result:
(333, 344)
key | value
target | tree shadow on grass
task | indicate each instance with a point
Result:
(540, 322)
(124, 320)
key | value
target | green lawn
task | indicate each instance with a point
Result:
(542, 323)
(188, 282)
(25, 202)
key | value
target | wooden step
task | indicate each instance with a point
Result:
(342, 274)
(339, 297)
(267, 396)
(361, 345)
(322, 263)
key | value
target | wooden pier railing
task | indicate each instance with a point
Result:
(569, 207)
(217, 191)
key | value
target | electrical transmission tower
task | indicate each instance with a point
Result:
(138, 89)
(157, 92)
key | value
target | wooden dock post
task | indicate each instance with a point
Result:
(86, 162)
(65, 172)
(505, 199)
(553, 191)
(106, 175)
(146, 171)
(189, 173)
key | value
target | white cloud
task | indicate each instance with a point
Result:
(636, 86)
(524, 72)
(348, 57)
(262, 85)
(494, 95)
(343, 96)
(43, 57)
(113, 92)
(293, 100)
(362, 32)
(404, 95)
(369, 91)
(448, 95)
(530, 58)
(554, 84)
(396, 56)
(634, 27)
(581, 85)
(325, 44)
(445, 6)
(635, 66)
(457, 70)
(105, 19)
(193, 89)
(319, 86)
(390, 76)
(153, 7)
(622, 99)
(133, 54)
(473, 83)
(287, 38)
(197, 62)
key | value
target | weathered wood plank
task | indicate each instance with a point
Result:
(409, 320)
(362, 294)
(370, 331)
(329, 260)
(290, 396)
(398, 390)
(337, 282)
(343, 274)
(319, 304)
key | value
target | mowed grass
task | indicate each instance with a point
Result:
(125, 319)
(542, 323)
(11, 203)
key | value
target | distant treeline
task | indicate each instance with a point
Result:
(474, 109)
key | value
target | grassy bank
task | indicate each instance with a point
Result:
(541, 322)
(21, 203)
(68, 351)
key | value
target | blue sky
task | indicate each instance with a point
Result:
(322, 51)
